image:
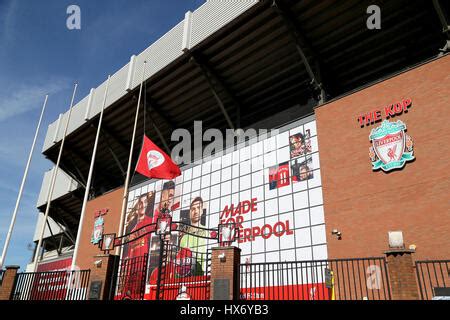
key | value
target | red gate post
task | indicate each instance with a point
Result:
(7, 285)
(225, 284)
(103, 276)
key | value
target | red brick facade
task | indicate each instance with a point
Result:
(111, 201)
(401, 274)
(226, 269)
(7, 285)
(364, 204)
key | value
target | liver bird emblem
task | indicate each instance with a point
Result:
(391, 153)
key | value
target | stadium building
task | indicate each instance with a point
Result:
(360, 149)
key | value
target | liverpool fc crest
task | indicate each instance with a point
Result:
(98, 230)
(391, 146)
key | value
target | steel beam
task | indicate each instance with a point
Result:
(444, 23)
(76, 154)
(218, 80)
(156, 108)
(53, 238)
(116, 159)
(158, 132)
(66, 230)
(72, 175)
(109, 135)
(301, 43)
(78, 171)
(211, 77)
(65, 211)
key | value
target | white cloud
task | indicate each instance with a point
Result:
(27, 97)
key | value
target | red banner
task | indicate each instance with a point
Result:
(50, 281)
(316, 291)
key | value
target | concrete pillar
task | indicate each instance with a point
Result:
(102, 279)
(7, 285)
(401, 274)
(225, 282)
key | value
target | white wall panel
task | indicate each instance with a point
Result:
(213, 15)
(63, 185)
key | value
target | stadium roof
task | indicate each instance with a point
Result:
(235, 63)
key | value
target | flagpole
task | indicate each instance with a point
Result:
(52, 183)
(86, 192)
(125, 190)
(22, 185)
(89, 179)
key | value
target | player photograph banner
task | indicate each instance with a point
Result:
(271, 190)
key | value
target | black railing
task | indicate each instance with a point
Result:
(433, 278)
(1, 276)
(184, 273)
(337, 279)
(132, 278)
(53, 285)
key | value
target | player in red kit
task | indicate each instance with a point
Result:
(140, 246)
(166, 203)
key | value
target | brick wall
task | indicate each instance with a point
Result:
(111, 200)
(402, 277)
(364, 204)
(8, 282)
(226, 270)
(104, 271)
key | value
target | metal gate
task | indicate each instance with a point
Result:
(53, 285)
(433, 277)
(173, 268)
(131, 278)
(335, 279)
(183, 274)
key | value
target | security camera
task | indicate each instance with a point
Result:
(98, 263)
(337, 233)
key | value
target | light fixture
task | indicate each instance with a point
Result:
(396, 240)
(337, 233)
(98, 263)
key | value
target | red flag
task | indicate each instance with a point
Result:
(155, 163)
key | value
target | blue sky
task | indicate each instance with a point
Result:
(39, 55)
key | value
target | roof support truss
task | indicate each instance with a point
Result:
(212, 78)
(78, 155)
(57, 246)
(445, 25)
(156, 108)
(158, 132)
(301, 43)
(109, 136)
(78, 178)
(66, 230)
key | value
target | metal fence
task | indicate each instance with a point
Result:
(337, 279)
(433, 278)
(131, 278)
(54, 285)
